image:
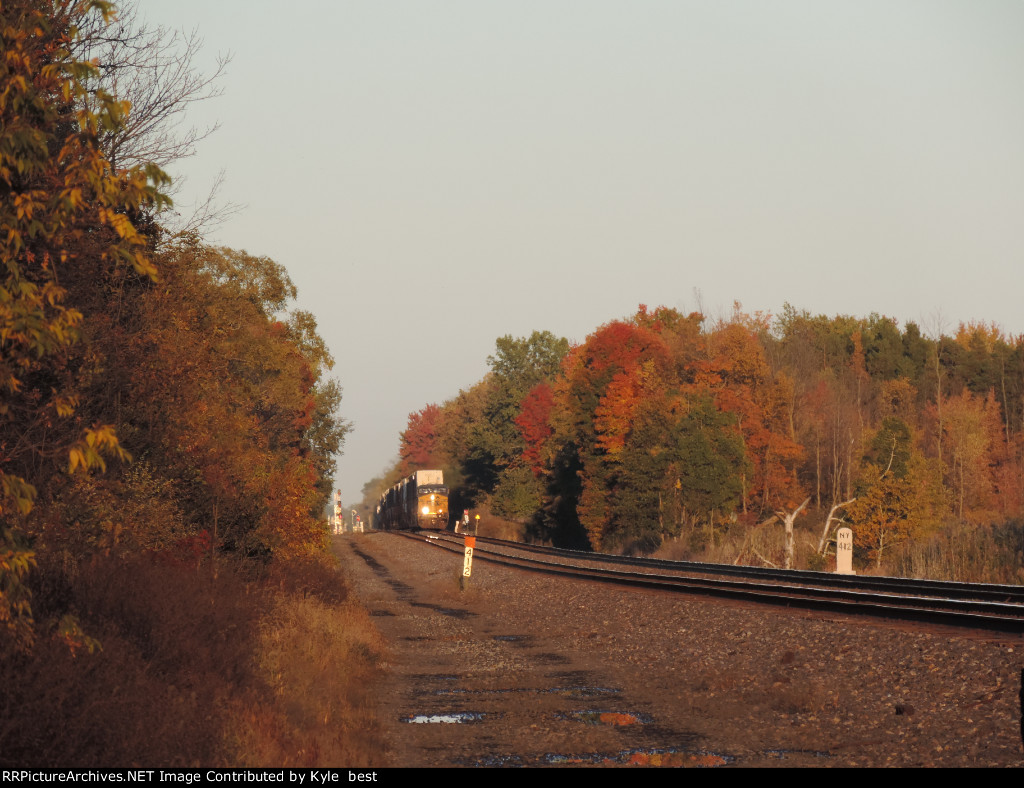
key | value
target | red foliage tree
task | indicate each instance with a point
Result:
(534, 425)
(420, 447)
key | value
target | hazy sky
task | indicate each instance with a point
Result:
(435, 175)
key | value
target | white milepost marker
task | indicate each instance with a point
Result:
(844, 552)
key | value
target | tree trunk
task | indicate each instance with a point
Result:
(788, 519)
(828, 524)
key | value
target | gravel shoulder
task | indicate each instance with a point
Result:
(526, 670)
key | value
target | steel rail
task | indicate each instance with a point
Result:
(939, 588)
(984, 615)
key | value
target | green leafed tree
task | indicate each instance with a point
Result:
(495, 457)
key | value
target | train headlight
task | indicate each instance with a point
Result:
(426, 510)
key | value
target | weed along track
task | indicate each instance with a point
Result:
(522, 669)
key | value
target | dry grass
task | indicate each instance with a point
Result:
(983, 554)
(318, 662)
(969, 553)
(750, 545)
(497, 527)
(197, 667)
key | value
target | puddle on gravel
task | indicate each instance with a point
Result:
(683, 759)
(511, 638)
(615, 718)
(454, 718)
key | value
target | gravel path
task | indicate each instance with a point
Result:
(527, 670)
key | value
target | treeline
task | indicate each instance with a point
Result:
(167, 439)
(667, 428)
(180, 369)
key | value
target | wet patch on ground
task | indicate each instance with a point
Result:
(614, 718)
(451, 718)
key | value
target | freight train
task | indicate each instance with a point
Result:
(418, 501)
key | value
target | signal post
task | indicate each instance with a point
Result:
(469, 532)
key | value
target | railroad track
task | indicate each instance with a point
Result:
(978, 606)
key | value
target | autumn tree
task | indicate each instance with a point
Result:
(737, 375)
(968, 428)
(517, 366)
(420, 442)
(62, 203)
(596, 397)
(659, 422)
(534, 423)
(468, 469)
(474, 437)
(681, 465)
(155, 70)
(247, 423)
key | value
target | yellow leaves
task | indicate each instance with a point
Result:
(15, 490)
(119, 222)
(73, 198)
(76, 458)
(69, 632)
(26, 203)
(14, 240)
(143, 265)
(65, 406)
(88, 453)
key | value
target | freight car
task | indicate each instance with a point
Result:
(418, 501)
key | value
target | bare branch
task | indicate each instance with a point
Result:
(204, 216)
(828, 524)
(154, 69)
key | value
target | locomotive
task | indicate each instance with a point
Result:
(418, 501)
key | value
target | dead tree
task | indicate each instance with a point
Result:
(823, 542)
(788, 520)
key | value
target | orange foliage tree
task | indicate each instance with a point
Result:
(60, 200)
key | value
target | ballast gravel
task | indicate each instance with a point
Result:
(522, 669)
